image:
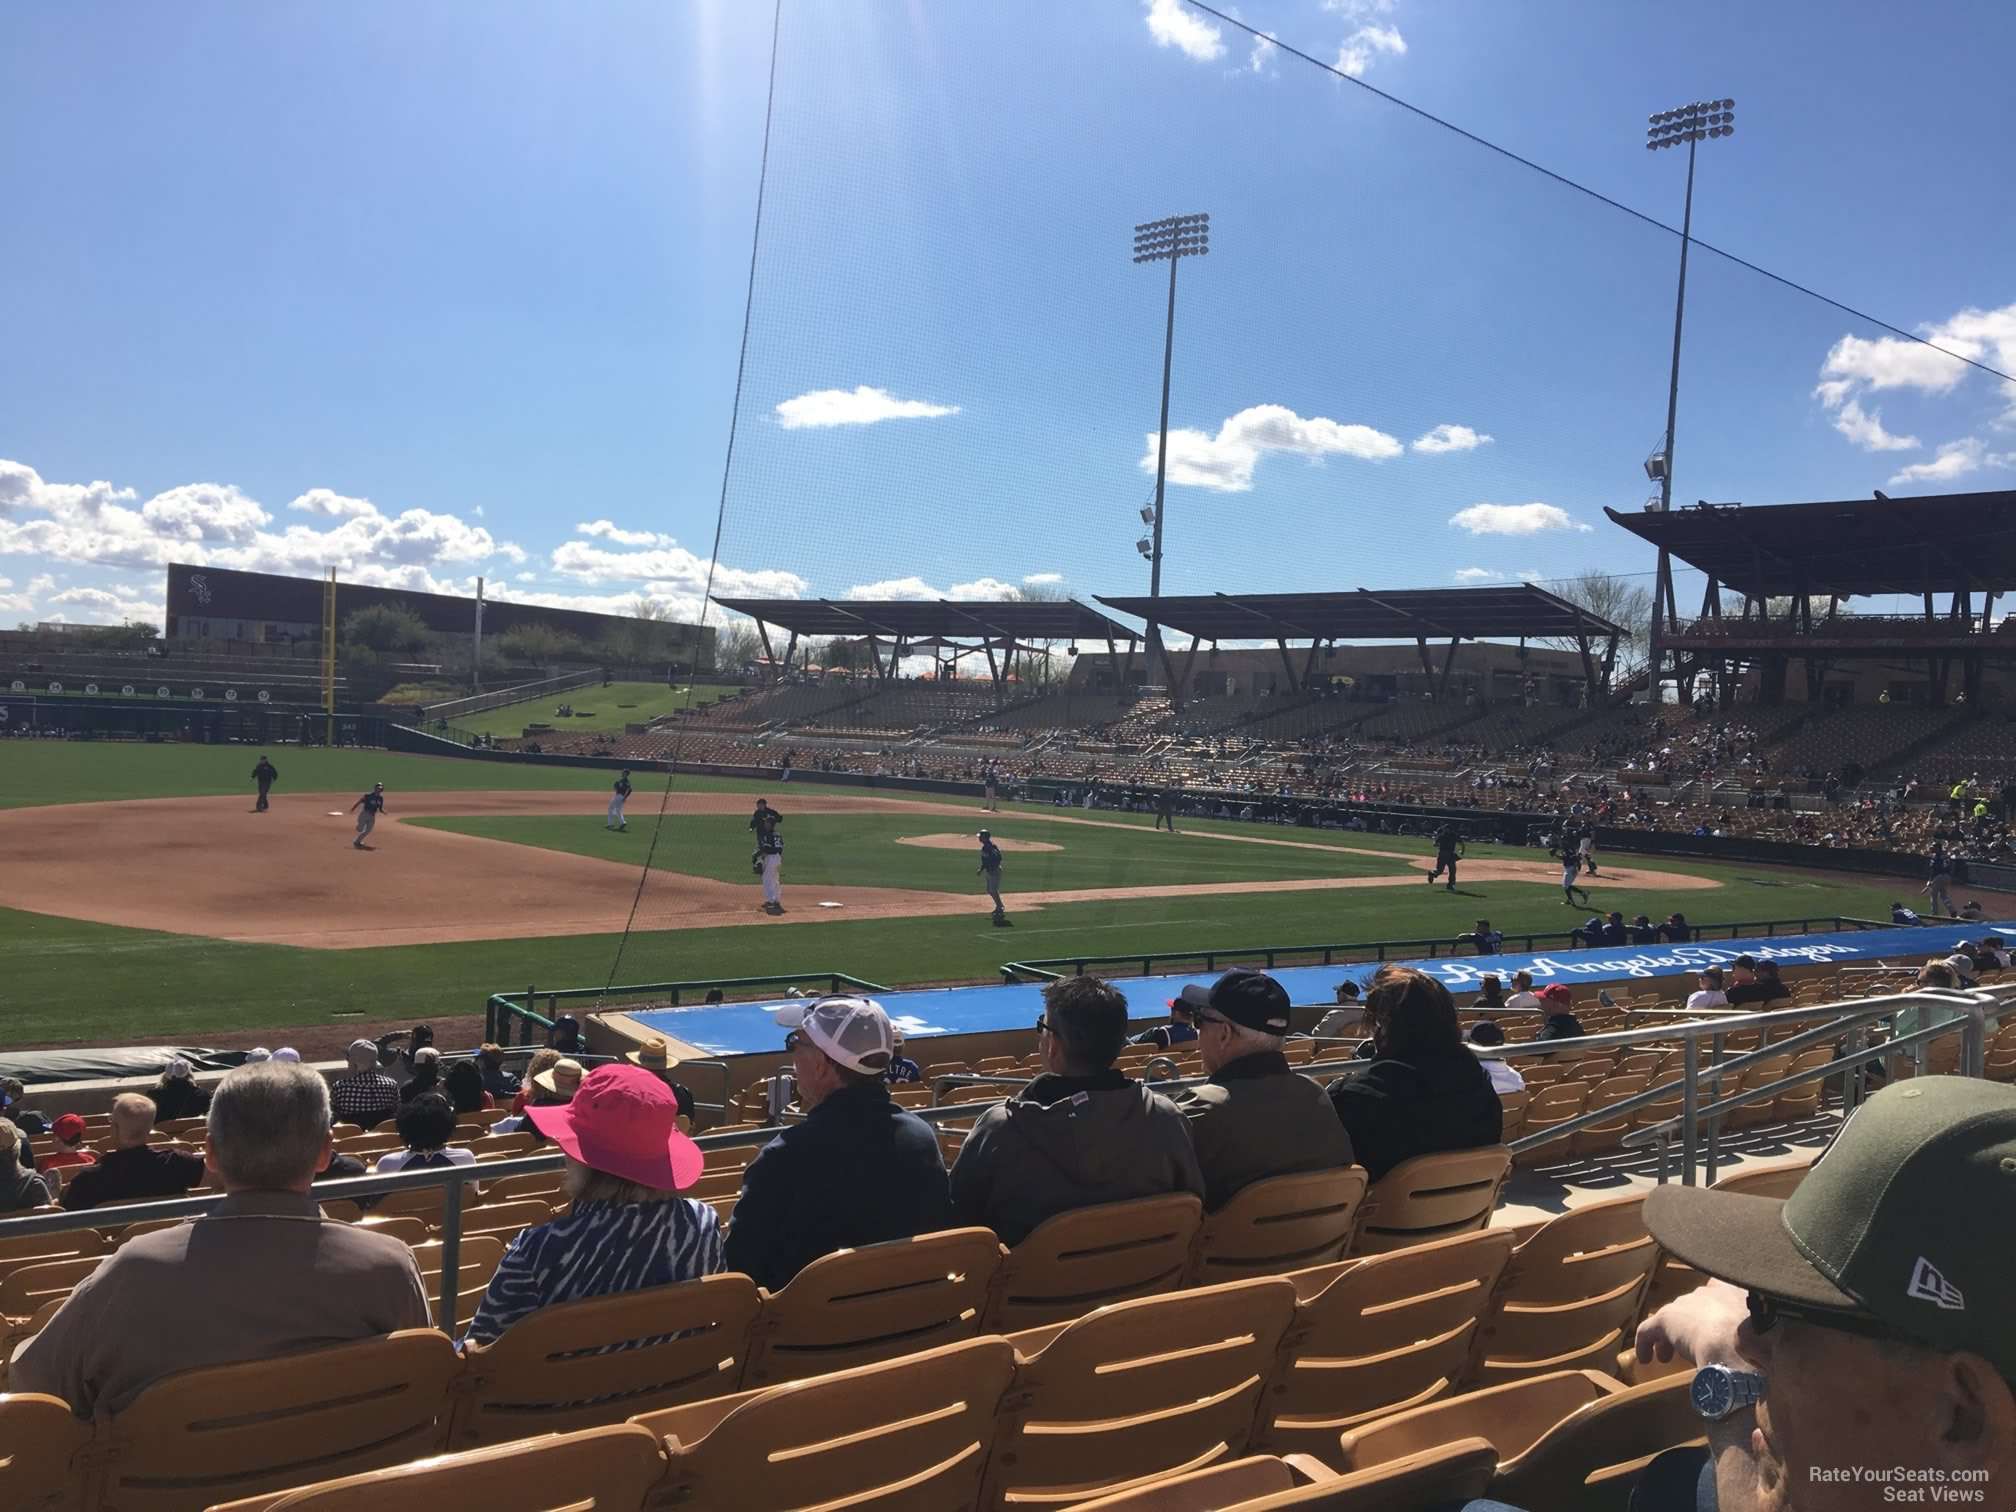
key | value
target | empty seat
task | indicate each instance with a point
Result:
(1570, 1294)
(28, 1289)
(505, 1220)
(1431, 1197)
(583, 1364)
(1081, 1260)
(1767, 1178)
(1570, 1442)
(1551, 1105)
(1372, 1337)
(855, 1307)
(39, 1440)
(1447, 1476)
(225, 1432)
(1282, 1224)
(476, 1262)
(908, 1435)
(596, 1470)
(1604, 1136)
(1135, 1392)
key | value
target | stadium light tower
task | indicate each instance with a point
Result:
(1692, 124)
(1169, 241)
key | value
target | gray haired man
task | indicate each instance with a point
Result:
(262, 1274)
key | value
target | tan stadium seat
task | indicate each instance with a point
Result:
(1553, 1103)
(505, 1220)
(1136, 1391)
(1447, 1476)
(855, 1307)
(424, 1203)
(908, 1435)
(476, 1262)
(541, 1184)
(224, 1432)
(1774, 1178)
(405, 1230)
(584, 1364)
(38, 1249)
(1570, 1295)
(1282, 1224)
(726, 1182)
(910, 1096)
(499, 1146)
(1229, 1483)
(1431, 1197)
(1081, 1260)
(1512, 1111)
(39, 1441)
(368, 1147)
(1753, 1115)
(341, 1209)
(32, 1286)
(1600, 1138)
(1570, 1442)
(1803, 1101)
(612, 1469)
(1372, 1337)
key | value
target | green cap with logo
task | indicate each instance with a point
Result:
(1909, 1217)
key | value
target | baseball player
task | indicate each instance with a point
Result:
(769, 857)
(1571, 870)
(992, 780)
(372, 804)
(264, 774)
(1165, 807)
(990, 876)
(622, 795)
(1586, 849)
(1448, 851)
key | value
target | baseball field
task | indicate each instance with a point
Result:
(142, 897)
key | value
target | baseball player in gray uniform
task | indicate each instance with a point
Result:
(990, 876)
(615, 821)
(371, 804)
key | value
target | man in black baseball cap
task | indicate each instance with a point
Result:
(1858, 1344)
(1255, 1118)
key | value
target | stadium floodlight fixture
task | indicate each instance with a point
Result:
(1147, 514)
(1693, 124)
(1169, 240)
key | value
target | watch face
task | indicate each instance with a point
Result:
(1712, 1392)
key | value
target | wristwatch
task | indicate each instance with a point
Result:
(1719, 1391)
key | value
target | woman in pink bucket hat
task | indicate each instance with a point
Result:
(629, 1229)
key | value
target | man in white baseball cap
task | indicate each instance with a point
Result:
(858, 1170)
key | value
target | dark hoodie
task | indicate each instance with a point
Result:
(1395, 1109)
(1068, 1142)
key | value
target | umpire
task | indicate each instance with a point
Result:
(1448, 851)
(990, 873)
(265, 774)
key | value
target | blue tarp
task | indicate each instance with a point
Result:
(749, 1028)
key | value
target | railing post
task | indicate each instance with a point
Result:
(524, 1022)
(1974, 1042)
(451, 1257)
(1715, 1096)
(1690, 1101)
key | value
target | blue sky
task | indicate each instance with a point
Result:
(436, 291)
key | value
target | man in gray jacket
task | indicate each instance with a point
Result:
(1080, 1134)
(1255, 1118)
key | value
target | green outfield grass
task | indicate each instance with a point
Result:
(62, 979)
(595, 708)
(862, 850)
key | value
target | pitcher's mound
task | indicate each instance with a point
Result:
(969, 842)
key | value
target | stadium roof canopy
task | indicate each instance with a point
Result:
(1510, 613)
(913, 621)
(1855, 546)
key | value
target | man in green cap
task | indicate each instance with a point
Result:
(1858, 1343)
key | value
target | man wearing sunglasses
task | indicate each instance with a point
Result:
(1255, 1118)
(1858, 1344)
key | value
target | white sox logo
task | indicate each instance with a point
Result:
(200, 588)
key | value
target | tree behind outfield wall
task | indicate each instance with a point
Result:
(384, 630)
(537, 641)
(1622, 602)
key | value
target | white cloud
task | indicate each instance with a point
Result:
(858, 406)
(1036, 579)
(1359, 10)
(1364, 46)
(1226, 461)
(610, 532)
(1954, 459)
(1262, 59)
(477, 511)
(97, 525)
(1451, 438)
(984, 589)
(1854, 367)
(1514, 519)
(1478, 575)
(1866, 430)
(527, 577)
(1173, 24)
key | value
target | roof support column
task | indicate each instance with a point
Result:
(1448, 662)
(771, 669)
(1288, 663)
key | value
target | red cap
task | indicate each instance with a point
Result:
(1557, 994)
(624, 1121)
(69, 1128)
